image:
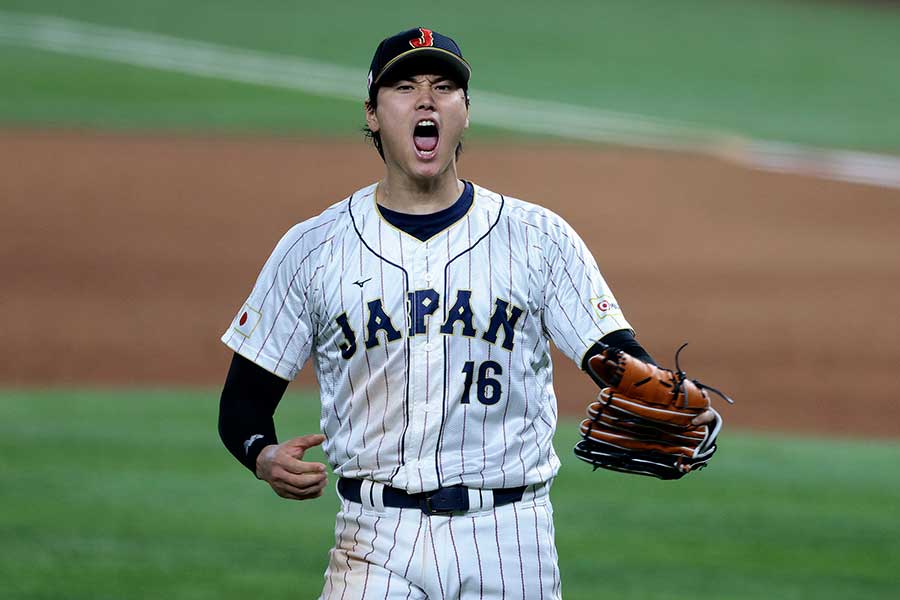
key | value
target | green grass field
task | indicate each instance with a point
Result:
(804, 71)
(126, 494)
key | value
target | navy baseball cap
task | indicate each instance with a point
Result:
(413, 50)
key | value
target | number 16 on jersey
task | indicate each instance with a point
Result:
(487, 389)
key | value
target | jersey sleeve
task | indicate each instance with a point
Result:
(274, 328)
(579, 307)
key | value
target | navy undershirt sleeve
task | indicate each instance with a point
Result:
(425, 226)
(246, 410)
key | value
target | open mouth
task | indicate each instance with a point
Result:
(425, 138)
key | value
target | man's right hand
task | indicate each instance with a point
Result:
(282, 467)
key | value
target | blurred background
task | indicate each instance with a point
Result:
(733, 165)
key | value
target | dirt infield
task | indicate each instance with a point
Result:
(124, 257)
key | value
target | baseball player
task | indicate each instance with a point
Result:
(426, 305)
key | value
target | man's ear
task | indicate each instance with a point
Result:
(371, 118)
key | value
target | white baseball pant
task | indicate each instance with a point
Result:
(401, 553)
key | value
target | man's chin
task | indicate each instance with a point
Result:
(428, 167)
(428, 171)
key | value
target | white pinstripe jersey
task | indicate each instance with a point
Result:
(432, 357)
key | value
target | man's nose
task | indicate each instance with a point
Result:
(425, 100)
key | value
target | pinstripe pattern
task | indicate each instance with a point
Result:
(387, 386)
(493, 221)
(484, 431)
(538, 552)
(486, 554)
(368, 400)
(468, 401)
(436, 565)
(459, 576)
(478, 558)
(395, 412)
(347, 455)
(465, 418)
(509, 355)
(499, 556)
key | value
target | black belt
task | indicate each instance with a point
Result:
(437, 502)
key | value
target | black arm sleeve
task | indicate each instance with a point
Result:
(625, 341)
(249, 399)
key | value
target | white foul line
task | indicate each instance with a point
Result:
(523, 115)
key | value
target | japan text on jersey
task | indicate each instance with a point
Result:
(432, 357)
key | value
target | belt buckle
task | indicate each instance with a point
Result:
(444, 501)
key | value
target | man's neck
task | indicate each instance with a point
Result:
(412, 196)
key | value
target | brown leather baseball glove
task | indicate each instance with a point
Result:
(642, 421)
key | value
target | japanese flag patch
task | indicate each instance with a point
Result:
(247, 321)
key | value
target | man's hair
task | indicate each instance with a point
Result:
(375, 136)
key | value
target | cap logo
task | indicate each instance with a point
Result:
(423, 41)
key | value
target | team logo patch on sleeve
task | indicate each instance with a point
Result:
(247, 321)
(605, 306)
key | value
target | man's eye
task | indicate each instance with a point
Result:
(403, 86)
